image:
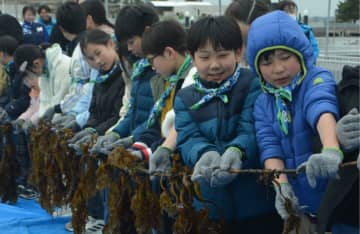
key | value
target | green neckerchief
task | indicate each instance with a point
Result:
(282, 95)
(160, 103)
(139, 67)
(219, 92)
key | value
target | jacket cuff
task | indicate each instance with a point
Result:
(144, 149)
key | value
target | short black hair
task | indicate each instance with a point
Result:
(132, 20)
(286, 3)
(8, 44)
(28, 8)
(71, 17)
(247, 10)
(27, 53)
(96, 9)
(43, 7)
(9, 25)
(221, 31)
(94, 36)
(162, 34)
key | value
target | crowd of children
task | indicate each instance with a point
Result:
(240, 91)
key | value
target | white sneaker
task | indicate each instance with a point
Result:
(62, 211)
(93, 226)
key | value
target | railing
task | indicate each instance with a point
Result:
(336, 63)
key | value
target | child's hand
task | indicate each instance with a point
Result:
(322, 165)
(348, 130)
(205, 166)
(284, 191)
(230, 160)
(160, 161)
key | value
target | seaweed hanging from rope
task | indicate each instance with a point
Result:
(9, 167)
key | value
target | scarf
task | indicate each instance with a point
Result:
(139, 67)
(219, 92)
(282, 95)
(100, 78)
(8, 67)
(172, 80)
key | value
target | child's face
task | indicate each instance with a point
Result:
(38, 66)
(44, 14)
(134, 46)
(101, 57)
(215, 65)
(279, 68)
(29, 16)
(165, 63)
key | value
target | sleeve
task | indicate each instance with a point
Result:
(19, 105)
(150, 135)
(190, 142)
(268, 142)
(123, 127)
(320, 97)
(245, 137)
(314, 43)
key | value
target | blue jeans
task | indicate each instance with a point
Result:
(340, 228)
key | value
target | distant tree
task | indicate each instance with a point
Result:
(347, 10)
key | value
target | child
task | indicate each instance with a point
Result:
(99, 50)
(245, 12)
(141, 100)
(298, 102)
(8, 46)
(45, 19)
(34, 33)
(164, 44)
(17, 98)
(215, 131)
(72, 22)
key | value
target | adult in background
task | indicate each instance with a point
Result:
(34, 33)
(45, 18)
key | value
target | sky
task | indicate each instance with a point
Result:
(317, 7)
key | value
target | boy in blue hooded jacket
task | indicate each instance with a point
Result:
(298, 102)
(215, 129)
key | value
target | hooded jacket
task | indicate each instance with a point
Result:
(313, 96)
(217, 126)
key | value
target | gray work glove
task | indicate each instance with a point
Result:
(322, 165)
(21, 125)
(230, 160)
(205, 166)
(17, 125)
(160, 160)
(61, 120)
(71, 124)
(104, 140)
(124, 142)
(81, 137)
(286, 192)
(348, 130)
(49, 114)
(4, 117)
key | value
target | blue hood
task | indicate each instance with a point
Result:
(276, 30)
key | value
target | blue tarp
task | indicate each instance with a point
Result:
(27, 217)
